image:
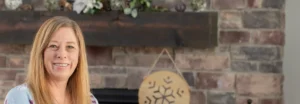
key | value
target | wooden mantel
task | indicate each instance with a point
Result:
(162, 29)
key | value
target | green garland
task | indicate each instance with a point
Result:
(133, 7)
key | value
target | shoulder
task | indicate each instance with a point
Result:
(17, 90)
(18, 93)
(94, 99)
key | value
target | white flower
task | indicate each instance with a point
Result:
(86, 5)
(89, 4)
(86, 9)
(98, 5)
(79, 5)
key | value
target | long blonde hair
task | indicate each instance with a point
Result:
(78, 84)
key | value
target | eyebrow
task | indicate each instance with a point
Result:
(69, 42)
(54, 41)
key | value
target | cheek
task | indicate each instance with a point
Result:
(48, 56)
(74, 58)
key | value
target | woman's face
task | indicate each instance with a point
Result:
(61, 54)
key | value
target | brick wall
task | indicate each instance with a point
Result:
(247, 64)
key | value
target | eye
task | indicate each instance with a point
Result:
(70, 47)
(52, 46)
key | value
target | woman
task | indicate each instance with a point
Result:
(58, 70)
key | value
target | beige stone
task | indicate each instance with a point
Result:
(202, 62)
(259, 84)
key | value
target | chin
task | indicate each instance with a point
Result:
(61, 76)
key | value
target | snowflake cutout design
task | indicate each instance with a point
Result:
(162, 94)
(164, 87)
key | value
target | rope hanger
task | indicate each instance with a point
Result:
(156, 60)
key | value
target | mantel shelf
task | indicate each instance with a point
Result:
(157, 29)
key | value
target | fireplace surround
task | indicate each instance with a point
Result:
(241, 60)
(116, 96)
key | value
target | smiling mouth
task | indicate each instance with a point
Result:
(61, 64)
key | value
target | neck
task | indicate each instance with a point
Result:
(58, 89)
(57, 86)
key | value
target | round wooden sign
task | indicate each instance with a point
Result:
(164, 87)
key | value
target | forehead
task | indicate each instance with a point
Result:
(64, 34)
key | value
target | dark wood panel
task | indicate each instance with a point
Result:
(155, 19)
(10, 20)
(194, 38)
(170, 19)
(125, 37)
(172, 29)
(32, 16)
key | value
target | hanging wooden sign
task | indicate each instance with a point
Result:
(164, 87)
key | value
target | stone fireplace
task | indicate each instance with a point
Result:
(246, 64)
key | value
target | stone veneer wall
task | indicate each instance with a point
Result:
(247, 64)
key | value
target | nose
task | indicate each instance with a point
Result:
(61, 57)
(61, 53)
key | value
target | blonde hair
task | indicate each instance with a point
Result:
(78, 84)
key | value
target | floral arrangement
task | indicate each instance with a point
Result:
(87, 6)
(128, 7)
